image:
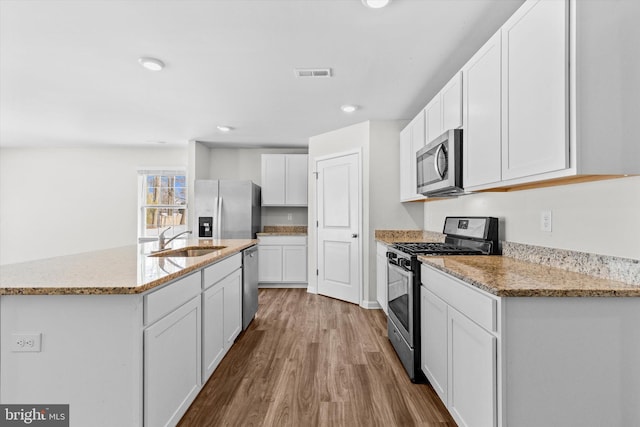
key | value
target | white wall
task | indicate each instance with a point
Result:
(601, 217)
(59, 201)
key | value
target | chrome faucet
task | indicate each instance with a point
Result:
(162, 242)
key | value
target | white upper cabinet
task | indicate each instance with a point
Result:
(284, 179)
(451, 95)
(444, 111)
(535, 90)
(433, 118)
(412, 139)
(482, 116)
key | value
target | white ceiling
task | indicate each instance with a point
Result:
(69, 74)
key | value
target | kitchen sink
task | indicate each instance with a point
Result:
(190, 251)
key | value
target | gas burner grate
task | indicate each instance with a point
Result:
(434, 248)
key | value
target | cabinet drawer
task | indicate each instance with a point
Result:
(282, 240)
(172, 296)
(214, 273)
(472, 303)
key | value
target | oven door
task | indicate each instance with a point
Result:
(400, 298)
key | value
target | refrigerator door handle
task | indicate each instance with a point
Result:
(219, 219)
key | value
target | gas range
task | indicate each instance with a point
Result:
(464, 236)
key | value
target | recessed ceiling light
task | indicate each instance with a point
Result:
(224, 128)
(347, 108)
(152, 64)
(376, 4)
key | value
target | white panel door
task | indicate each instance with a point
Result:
(535, 89)
(482, 111)
(472, 385)
(339, 223)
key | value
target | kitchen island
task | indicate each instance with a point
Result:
(507, 342)
(123, 337)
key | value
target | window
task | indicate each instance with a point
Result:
(162, 203)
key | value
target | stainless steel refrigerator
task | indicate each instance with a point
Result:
(227, 209)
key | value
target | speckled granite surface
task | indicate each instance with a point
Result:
(126, 270)
(283, 230)
(389, 237)
(509, 277)
(607, 267)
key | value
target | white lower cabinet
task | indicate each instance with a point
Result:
(172, 365)
(294, 263)
(433, 324)
(381, 276)
(221, 311)
(472, 376)
(213, 342)
(191, 324)
(283, 259)
(458, 355)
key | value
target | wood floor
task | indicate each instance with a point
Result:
(309, 360)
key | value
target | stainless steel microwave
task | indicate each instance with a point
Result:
(439, 166)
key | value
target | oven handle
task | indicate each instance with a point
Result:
(401, 269)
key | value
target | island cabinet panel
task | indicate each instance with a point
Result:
(91, 356)
(172, 365)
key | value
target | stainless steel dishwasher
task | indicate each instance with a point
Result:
(249, 285)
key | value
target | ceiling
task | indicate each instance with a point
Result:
(69, 74)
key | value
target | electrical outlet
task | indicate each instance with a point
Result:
(289, 217)
(545, 221)
(26, 342)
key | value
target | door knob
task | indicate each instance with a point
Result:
(354, 235)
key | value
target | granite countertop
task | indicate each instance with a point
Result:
(509, 277)
(125, 270)
(284, 230)
(389, 237)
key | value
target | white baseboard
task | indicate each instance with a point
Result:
(370, 305)
(312, 289)
(281, 285)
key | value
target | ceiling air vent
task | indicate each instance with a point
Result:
(312, 72)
